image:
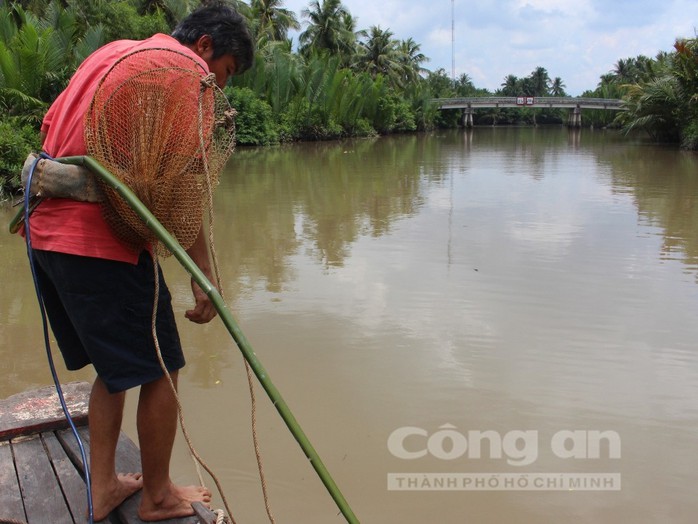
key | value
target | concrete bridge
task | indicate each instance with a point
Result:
(574, 104)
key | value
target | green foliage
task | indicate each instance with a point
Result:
(655, 107)
(424, 111)
(31, 58)
(17, 140)
(330, 27)
(598, 117)
(122, 20)
(271, 21)
(463, 86)
(635, 70)
(684, 64)
(362, 128)
(441, 85)
(254, 124)
(341, 82)
(380, 55)
(394, 115)
(38, 55)
(174, 10)
(689, 136)
(557, 87)
(661, 94)
(304, 121)
(538, 83)
(315, 97)
(353, 102)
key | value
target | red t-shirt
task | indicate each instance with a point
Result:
(69, 226)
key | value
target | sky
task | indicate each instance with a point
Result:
(576, 40)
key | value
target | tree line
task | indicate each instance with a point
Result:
(336, 81)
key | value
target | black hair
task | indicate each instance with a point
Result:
(228, 31)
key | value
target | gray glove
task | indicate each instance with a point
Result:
(52, 179)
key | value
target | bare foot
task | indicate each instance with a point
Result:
(175, 502)
(106, 498)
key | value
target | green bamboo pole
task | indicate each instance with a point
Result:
(230, 323)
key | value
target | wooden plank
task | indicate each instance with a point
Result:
(40, 410)
(11, 507)
(71, 483)
(128, 460)
(71, 448)
(43, 499)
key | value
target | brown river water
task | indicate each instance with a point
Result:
(486, 326)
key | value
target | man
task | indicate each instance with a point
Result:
(98, 291)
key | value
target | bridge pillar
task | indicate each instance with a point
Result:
(575, 118)
(467, 118)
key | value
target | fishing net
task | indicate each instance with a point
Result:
(165, 130)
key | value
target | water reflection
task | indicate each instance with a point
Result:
(491, 279)
(664, 188)
(313, 195)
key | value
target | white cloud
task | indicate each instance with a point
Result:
(439, 37)
(577, 40)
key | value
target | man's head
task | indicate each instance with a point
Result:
(220, 36)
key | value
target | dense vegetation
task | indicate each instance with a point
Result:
(338, 81)
(661, 94)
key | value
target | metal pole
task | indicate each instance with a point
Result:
(453, 43)
(227, 318)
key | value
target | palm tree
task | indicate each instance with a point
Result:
(273, 21)
(647, 68)
(411, 59)
(440, 84)
(623, 71)
(539, 82)
(684, 67)
(327, 28)
(379, 55)
(557, 87)
(637, 69)
(464, 85)
(656, 107)
(349, 23)
(511, 86)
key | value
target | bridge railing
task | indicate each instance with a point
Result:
(524, 101)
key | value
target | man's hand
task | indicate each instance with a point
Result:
(204, 309)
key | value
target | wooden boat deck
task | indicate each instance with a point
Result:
(41, 469)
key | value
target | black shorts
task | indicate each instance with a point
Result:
(101, 314)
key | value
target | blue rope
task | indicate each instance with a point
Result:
(47, 343)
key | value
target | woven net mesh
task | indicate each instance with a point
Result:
(161, 126)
